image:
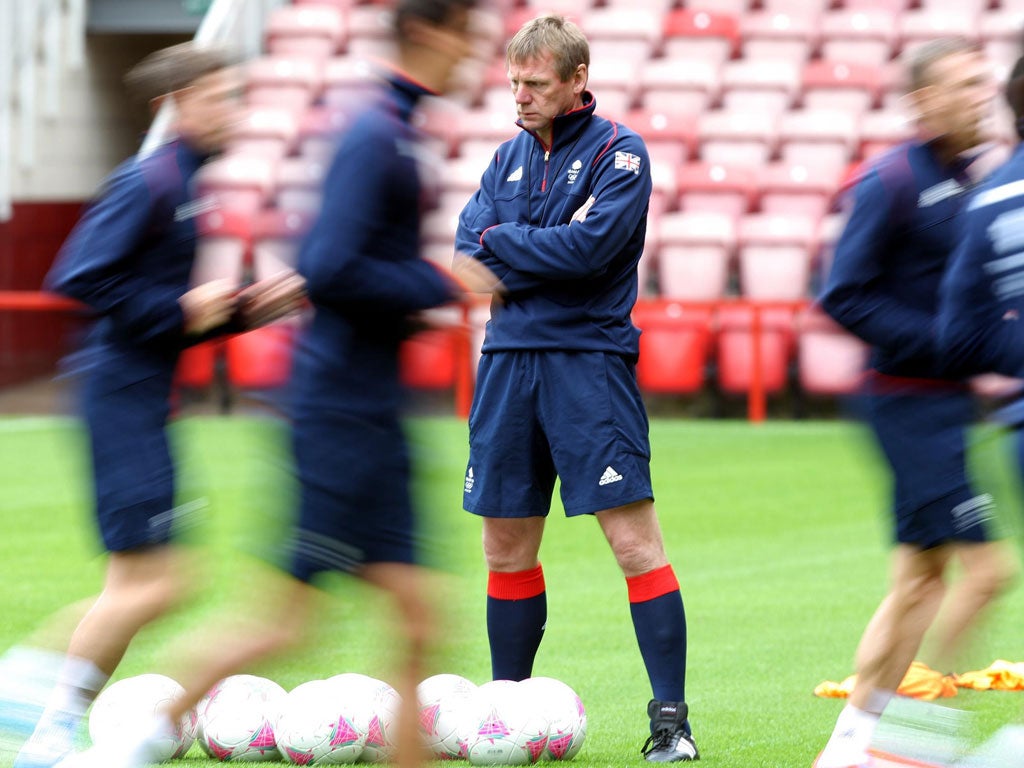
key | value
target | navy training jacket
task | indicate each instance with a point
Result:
(571, 285)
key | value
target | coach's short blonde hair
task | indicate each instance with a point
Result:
(550, 34)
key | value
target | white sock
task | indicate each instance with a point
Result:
(848, 745)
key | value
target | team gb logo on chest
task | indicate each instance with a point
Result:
(574, 171)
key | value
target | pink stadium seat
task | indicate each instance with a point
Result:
(319, 129)
(923, 24)
(814, 137)
(889, 6)
(686, 86)
(809, 7)
(881, 129)
(614, 85)
(660, 7)
(262, 358)
(436, 117)
(775, 34)
(277, 236)
(735, 346)
(862, 36)
(306, 30)
(286, 82)
(241, 183)
(969, 6)
(665, 131)
(842, 86)
(427, 360)
(696, 33)
(674, 345)
(439, 225)
(299, 184)
(632, 33)
(488, 127)
(759, 85)
(372, 21)
(797, 189)
(1000, 33)
(223, 246)
(694, 254)
(736, 137)
(830, 361)
(267, 132)
(347, 80)
(775, 252)
(574, 9)
(462, 175)
(716, 188)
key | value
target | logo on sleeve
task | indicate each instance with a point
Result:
(574, 171)
(516, 175)
(627, 161)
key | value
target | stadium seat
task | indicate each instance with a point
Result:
(480, 131)
(224, 240)
(695, 33)
(817, 137)
(734, 351)
(318, 132)
(462, 175)
(797, 189)
(771, 35)
(574, 9)
(261, 358)
(632, 33)
(197, 365)
(830, 361)
(862, 36)
(1000, 33)
(614, 85)
(694, 254)
(924, 24)
(241, 183)
(685, 86)
(373, 22)
(347, 81)
(809, 7)
(265, 131)
(436, 117)
(674, 345)
(774, 252)
(299, 185)
(668, 134)
(318, 31)
(963, 6)
(285, 82)
(881, 129)
(277, 236)
(736, 137)
(839, 85)
(759, 85)
(427, 360)
(716, 188)
(889, 6)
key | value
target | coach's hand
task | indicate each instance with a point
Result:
(208, 305)
(271, 298)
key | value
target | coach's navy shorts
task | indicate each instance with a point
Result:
(542, 414)
(355, 506)
(921, 433)
(133, 473)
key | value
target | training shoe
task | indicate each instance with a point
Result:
(670, 740)
(49, 744)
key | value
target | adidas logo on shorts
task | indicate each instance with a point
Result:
(609, 476)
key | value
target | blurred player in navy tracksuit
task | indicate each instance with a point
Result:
(367, 284)
(129, 261)
(560, 217)
(884, 287)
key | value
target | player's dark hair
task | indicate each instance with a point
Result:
(550, 34)
(435, 12)
(925, 56)
(174, 68)
(1014, 93)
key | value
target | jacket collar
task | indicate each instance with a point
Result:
(566, 128)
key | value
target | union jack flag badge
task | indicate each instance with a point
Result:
(627, 161)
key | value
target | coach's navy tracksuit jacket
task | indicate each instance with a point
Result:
(571, 286)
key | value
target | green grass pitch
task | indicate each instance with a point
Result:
(778, 534)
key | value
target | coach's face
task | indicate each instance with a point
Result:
(541, 95)
(958, 101)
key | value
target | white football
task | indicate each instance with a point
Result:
(373, 706)
(315, 726)
(567, 719)
(509, 728)
(447, 704)
(127, 707)
(236, 719)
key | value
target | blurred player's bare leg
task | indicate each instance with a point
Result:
(408, 587)
(659, 620)
(516, 594)
(988, 570)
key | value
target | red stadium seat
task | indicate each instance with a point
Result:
(196, 365)
(428, 359)
(674, 345)
(842, 86)
(697, 33)
(262, 358)
(797, 189)
(830, 361)
(735, 348)
(276, 238)
(285, 82)
(306, 30)
(694, 254)
(775, 253)
(789, 35)
(736, 137)
(862, 36)
(716, 188)
(759, 85)
(666, 132)
(240, 183)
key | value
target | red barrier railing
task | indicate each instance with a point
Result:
(40, 301)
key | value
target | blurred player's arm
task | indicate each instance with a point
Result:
(851, 294)
(584, 246)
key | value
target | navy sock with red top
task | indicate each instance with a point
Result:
(660, 624)
(517, 611)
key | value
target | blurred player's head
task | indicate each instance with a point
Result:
(203, 85)
(548, 61)
(952, 90)
(433, 36)
(1014, 94)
